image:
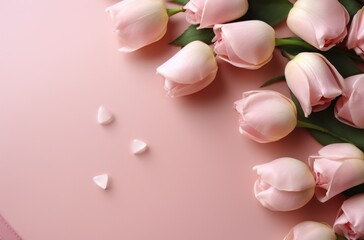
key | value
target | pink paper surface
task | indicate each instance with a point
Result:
(6, 231)
(58, 64)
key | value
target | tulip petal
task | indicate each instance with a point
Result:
(350, 220)
(313, 80)
(353, 209)
(303, 25)
(349, 174)
(207, 13)
(194, 11)
(286, 174)
(221, 11)
(320, 23)
(337, 151)
(298, 83)
(349, 108)
(310, 230)
(277, 200)
(266, 116)
(138, 24)
(175, 89)
(257, 36)
(189, 70)
(196, 59)
(356, 33)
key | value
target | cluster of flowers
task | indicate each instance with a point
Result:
(287, 184)
(140, 23)
(312, 79)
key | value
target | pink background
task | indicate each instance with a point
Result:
(58, 64)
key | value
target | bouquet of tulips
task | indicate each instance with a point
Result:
(323, 72)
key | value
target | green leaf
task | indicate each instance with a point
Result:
(326, 129)
(342, 62)
(352, 6)
(355, 190)
(182, 2)
(336, 131)
(192, 33)
(271, 11)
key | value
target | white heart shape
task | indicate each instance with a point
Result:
(138, 146)
(104, 116)
(101, 180)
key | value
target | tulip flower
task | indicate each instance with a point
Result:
(320, 23)
(337, 167)
(190, 70)
(245, 44)
(266, 116)
(313, 80)
(284, 184)
(356, 33)
(138, 23)
(350, 220)
(310, 230)
(207, 13)
(349, 107)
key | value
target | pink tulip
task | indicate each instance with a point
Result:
(313, 80)
(310, 230)
(285, 184)
(266, 116)
(138, 23)
(190, 70)
(207, 13)
(349, 107)
(356, 33)
(245, 44)
(350, 220)
(336, 168)
(320, 23)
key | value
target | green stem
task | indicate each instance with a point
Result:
(273, 80)
(288, 55)
(173, 11)
(293, 42)
(297, 42)
(313, 126)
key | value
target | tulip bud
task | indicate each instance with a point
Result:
(336, 168)
(266, 116)
(313, 80)
(245, 44)
(190, 70)
(320, 23)
(310, 230)
(349, 107)
(207, 13)
(356, 33)
(284, 184)
(350, 220)
(138, 23)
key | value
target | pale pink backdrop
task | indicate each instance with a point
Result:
(58, 64)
